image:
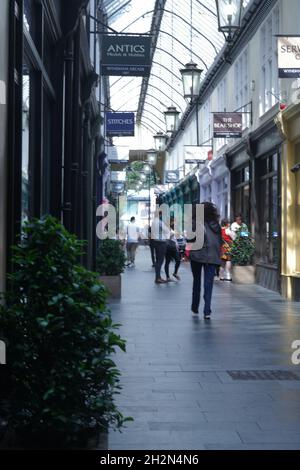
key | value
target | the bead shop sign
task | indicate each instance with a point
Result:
(126, 56)
(228, 125)
(289, 57)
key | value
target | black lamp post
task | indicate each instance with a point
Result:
(172, 119)
(147, 169)
(191, 80)
(160, 140)
(229, 17)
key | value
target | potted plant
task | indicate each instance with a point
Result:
(242, 252)
(60, 378)
(110, 264)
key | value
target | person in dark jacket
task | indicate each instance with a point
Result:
(206, 259)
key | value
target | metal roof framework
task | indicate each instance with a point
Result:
(181, 30)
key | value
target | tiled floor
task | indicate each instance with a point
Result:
(174, 374)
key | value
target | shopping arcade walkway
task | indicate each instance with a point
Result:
(175, 380)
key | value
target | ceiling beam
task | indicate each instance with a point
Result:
(155, 28)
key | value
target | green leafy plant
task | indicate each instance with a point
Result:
(60, 338)
(134, 176)
(243, 249)
(111, 258)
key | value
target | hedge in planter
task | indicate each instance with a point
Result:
(111, 258)
(243, 249)
(59, 338)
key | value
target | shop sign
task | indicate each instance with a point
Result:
(228, 125)
(126, 56)
(120, 124)
(172, 176)
(195, 154)
(289, 57)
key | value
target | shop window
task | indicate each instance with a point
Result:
(269, 62)
(38, 99)
(206, 193)
(241, 193)
(296, 223)
(29, 17)
(26, 115)
(222, 94)
(47, 152)
(241, 79)
(222, 197)
(268, 210)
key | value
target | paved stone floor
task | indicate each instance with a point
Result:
(174, 374)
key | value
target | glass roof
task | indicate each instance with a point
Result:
(187, 25)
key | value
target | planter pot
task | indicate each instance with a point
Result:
(113, 284)
(98, 441)
(243, 274)
(11, 440)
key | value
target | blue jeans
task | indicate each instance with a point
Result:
(209, 274)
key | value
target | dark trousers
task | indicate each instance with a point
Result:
(152, 249)
(172, 255)
(160, 248)
(209, 273)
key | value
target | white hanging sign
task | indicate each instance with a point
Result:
(289, 57)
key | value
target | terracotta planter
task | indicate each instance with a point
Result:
(113, 284)
(243, 274)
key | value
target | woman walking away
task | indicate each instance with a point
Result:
(227, 239)
(206, 259)
(172, 254)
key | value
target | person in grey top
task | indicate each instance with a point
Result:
(206, 259)
(160, 233)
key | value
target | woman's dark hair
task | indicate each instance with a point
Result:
(224, 222)
(238, 216)
(211, 213)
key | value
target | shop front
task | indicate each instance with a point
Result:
(254, 164)
(289, 125)
(215, 185)
(239, 164)
(265, 150)
(4, 32)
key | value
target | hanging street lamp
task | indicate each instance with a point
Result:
(160, 140)
(191, 77)
(147, 169)
(172, 119)
(152, 157)
(229, 17)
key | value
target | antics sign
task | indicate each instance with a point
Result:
(120, 124)
(126, 56)
(289, 57)
(228, 125)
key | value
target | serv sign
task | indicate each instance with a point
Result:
(289, 57)
(228, 125)
(120, 124)
(126, 56)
